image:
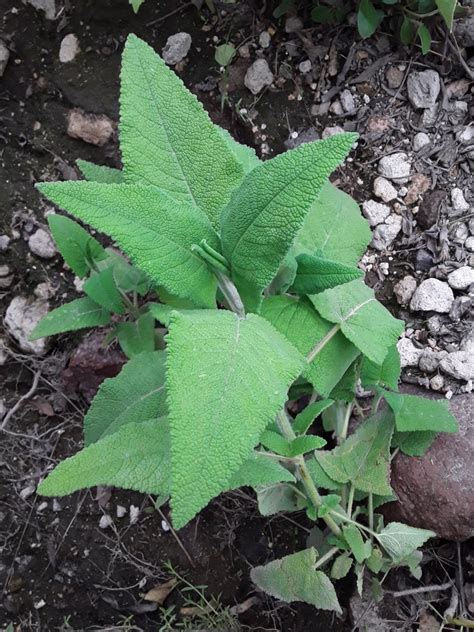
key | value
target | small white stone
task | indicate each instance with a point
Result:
(305, 66)
(375, 212)
(469, 244)
(120, 511)
(28, 491)
(396, 167)
(409, 354)
(48, 6)
(385, 234)
(421, 140)
(432, 295)
(21, 317)
(44, 291)
(437, 382)
(458, 200)
(423, 88)
(347, 101)
(331, 131)
(258, 76)
(134, 514)
(42, 506)
(466, 136)
(165, 525)
(405, 289)
(105, 521)
(384, 189)
(56, 506)
(176, 48)
(41, 243)
(264, 39)
(461, 278)
(69, 48)
(336, 108)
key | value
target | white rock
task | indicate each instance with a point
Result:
(432, 295)
(461, 278)
(375, 212)
(467, 342)
(409, 354)
(120, 511)
(4, 57)
(105, 521)
(395, 167)
(56, 506)
(459, 201)
(469, 244)
(69, 48)
(134, 514)
(423, 88)
(384, 189)
(48, 6)
(466, 136)
(305, 66)
(6, 277)
(459, 364)
(437, 382)
(347, 101)
(26, 492)
(336, 108)
(430, 116)
(258, 76)
(42, 506)
(384, 234)
(429, 360)
(264, 39)
(176, 48)
(41, 243)
(331, 131)
(420, 140)
(21, 318)
(404, 289)
(44, 291)
(4, 242)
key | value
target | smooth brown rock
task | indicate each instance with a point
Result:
(436, 491)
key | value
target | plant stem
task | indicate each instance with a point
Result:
(134, 311)
(287, 431)
(322, 343)
(375, 403)
(230, 293)
(358, 524)
(370, 506)
(327, 556)
(345, 427)
(350, 502)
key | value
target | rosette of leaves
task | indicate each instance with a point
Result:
(240, 289)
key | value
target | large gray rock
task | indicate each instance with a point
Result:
(41, 243)
(461, 278)
(423, 88)
(21, 318)
(375, 212)
(385, 234)
(436, 491)
(395, 167)
(459, 364)
(258, 76)
(432, 295)
(176, 48)
(464, 31)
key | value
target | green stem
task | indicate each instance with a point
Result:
(357, 524)
(134, 311)
(230, 293)
(345, 427)
(350, 502)
(375, 403)
(326, 557)
(287, 431)
(370, 506)
(322, 343)
(463, 623)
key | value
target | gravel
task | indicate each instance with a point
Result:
(432, 295)
(4, 242)
(69, 48)
(347, 101)
(384, 189)
(385, 234)
(21, 317)
(4, 57)
(405, 289)
(409, 354)
(264, 39)
(395, 167)
(423, 88)
(458, 201)
(331, 131)
(375, 212)
(469, 244)
(459, 364)
(305, 66)
(420, 140)
(258, 76)
(41, 244)
(461, 278)
(429, 360)
(176, 48)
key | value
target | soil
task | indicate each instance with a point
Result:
(59, 569)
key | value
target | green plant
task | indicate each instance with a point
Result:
(276, 245)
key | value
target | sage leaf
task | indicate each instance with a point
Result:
(413, 443)
(78, 314)
(356, 542)
(101, 288)
(305, 418)
(137, 336)
(315, 274)
(386, 374)
(341, 566)
(400, 540)
(273, 499)
(419, 413)
(100, 173)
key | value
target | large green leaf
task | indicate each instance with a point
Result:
(315, 274)
(259, 470)
(296, 319)
(265, 213)
(155, 230)
(334, 228)
(101, 288)
(134, 457)
(79, 249)
(385, 374)
(227, 378)
(293, 578)
(135, 394)
(413, 443)
(78, 314)
(400, 540)
(419, 413)
(100, 173)
(306, 417)
(166, 137)
(364, 458)
(244, 155)
(363, 320)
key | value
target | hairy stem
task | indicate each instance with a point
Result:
(326, 557)
(230, 293)
(370, 506)
(345, 426)
(350, 502)
(322, 343)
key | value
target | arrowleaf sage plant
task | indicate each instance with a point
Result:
(243, 294)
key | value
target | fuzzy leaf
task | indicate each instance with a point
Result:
(265, 213)
(364, 458)
(224, 54)
(400, 540)
(259, 470)
(101, 288)
(386, 374)
(296, 319)
(299, 445)
(78, 314)
(356, 542)
(166, 137)
(419, 413)
(321, 234)
(137, 336)
(244, 155)
(363, 320)
(100, 173)
(319, 476)
(224, 374)
(447, 9)
(273, 499)
(78, 249)
(306, 417)
(413, 443)
(315, 274)
(135, 457)
(156, 231)
(341, 566)
(293, 578)
(135, 394)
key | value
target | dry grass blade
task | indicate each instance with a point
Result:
(160, 593)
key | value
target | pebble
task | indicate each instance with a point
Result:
(134, 514)
(21, 317)
(460, 233)
(41, 243)
(305, 66)
(404, 289)
(69, 48)
(375, 212)
(466, 135)
(423, 88)
(469, 244)
(461, 278)
(395, 167)
(6, 277)
(420, 140)
(394, 77)
(432, 295)
(258, 76)
(48, 6)
(429, 116)
(437, 382)
(293, 24)
(105, 521)
(176, 48)
(264, 39)
(120, 511)
(95, 129)
(459, 364)
(4, 57)
(336, 108)
(4, 242)
(470, 226)
(331, 131)
(429, 360)
(384, 234)
(26, 492)
(409, 354)
(384, 189)
(44, 291)
(347, 101)
(459, 201)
